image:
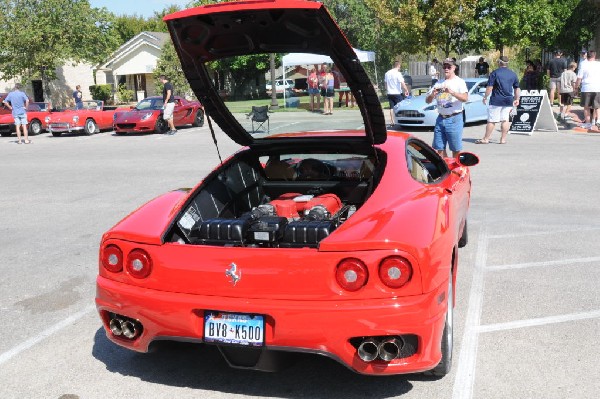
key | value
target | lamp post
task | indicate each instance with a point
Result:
(274, 103)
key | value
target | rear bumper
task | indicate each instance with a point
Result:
(322, 327)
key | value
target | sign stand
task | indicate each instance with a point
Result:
(533, 113)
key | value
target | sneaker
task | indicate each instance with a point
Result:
(171, 132)
(586, 125)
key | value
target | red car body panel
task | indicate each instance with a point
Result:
(166, 268)
(73, 120)
(139, 121)
(36, 114)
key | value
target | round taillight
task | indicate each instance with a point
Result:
(395, 271)
(112, 258)
(139, 264)
(351, 274)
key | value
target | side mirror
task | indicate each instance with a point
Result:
(467, 159)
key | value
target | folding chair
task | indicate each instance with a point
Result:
(260, 115)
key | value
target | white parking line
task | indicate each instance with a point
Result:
(511, 325)
(541, 233)
(6, 356)
(544, 264)
(465, 375)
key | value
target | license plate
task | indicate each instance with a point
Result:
(234, 328)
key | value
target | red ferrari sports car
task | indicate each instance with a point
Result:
(92, 118)
(321, 235)
(146, 116)
(36, 114)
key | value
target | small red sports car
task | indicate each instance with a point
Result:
(92, 118)
(322, 235)
(36, 114)
(146, 116)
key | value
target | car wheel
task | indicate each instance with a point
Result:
(56, 134)
(447, 343)
(90, 127)
(161, 125)
(464, 238)
(199, 119)
(35, 127)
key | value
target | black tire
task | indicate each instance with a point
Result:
(447, 343)
(6, 134)
(161, 125)
(464, 238)
(56, 134)
(199, 119)
(90, 127)
(35, 127)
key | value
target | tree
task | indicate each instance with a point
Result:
(169, 65)
(41, 35)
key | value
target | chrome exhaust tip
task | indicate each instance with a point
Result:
(368, 350)
(116, 326)
(390, 349)
(129, 329)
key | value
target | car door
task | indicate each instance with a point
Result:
(475, 109)
(179, 112)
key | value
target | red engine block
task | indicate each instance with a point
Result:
(293, 205)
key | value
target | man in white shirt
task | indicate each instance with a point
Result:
(433, 72)
(588, 80)
(450, 94)
(395, 87)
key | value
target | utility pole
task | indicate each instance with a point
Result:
(274, 103)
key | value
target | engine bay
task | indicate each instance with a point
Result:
(250, 203)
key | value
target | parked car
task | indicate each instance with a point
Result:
(146, 116)
(316, 237)
(36, 114)
(93, 118)
(414, 111)
(280, 85)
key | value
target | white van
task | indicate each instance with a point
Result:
(281, 85)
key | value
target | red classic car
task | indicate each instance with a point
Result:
(327, 239)
(92, 118)
(146, 116)
(36, 114)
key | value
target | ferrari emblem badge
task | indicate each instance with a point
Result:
(233, 273)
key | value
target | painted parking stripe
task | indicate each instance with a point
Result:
(511, 325)
(544, 264)
(543, 233)
(6, 356)
(465, 375)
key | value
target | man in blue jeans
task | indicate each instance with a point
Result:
(17, 101)
(450, 94)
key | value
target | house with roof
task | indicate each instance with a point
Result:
(133, 64)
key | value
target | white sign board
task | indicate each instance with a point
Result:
(533, 113)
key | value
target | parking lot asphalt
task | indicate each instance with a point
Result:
(527, 313)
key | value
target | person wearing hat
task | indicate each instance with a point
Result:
(450, 94)
(556, 66)
(503, 91)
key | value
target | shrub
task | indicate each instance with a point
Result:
(101, 92)
(123, 94)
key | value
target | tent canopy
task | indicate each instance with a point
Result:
(308, 58)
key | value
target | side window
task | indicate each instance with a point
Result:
(424, 164)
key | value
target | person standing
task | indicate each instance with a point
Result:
(433, 71)
(168, 104)
(567, 92)
(313, 90)
(78, 97)
(503, 85)
(482, 68)
(329, 93)
(588, 80)
(322, 82)
(450, 94)
(395, 87)
(556, 66)
(17, 101)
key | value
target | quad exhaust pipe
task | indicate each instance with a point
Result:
(128, 328)
(387, 349)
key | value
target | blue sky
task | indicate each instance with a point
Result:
(144, 8)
